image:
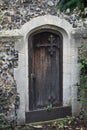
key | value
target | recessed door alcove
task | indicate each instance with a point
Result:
(46, 76)
(48, 70)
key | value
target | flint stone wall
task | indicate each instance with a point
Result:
(15, 13)
(14, 50)
(20, 18)
(8, 86)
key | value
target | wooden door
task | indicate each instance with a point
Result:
(45, 70)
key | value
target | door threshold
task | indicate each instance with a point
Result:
(44, 114)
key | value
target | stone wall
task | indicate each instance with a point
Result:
(9, 97)
(15, 13)
(79, 37)
(28, 16)
(14, 56)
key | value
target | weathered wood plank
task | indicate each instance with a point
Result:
(44, 115)
(45, 68)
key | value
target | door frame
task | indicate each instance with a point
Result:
(30, 51)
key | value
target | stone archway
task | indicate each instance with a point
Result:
(54, 24)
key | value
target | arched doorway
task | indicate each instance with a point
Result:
(45, 76)
(45, 61)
